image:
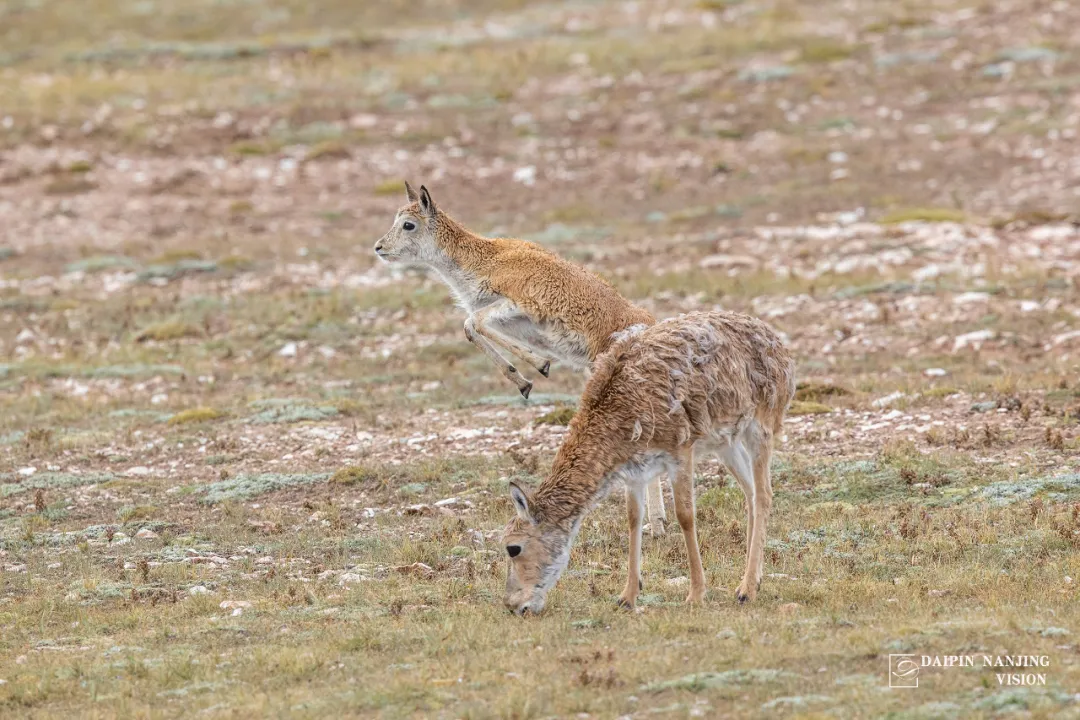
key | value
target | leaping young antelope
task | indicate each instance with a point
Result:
(712, 381)
(518, 296)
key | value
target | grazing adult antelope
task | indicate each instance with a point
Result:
(518, 296)
(715, 381)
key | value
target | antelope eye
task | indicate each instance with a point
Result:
(408, 225)
(513, 550)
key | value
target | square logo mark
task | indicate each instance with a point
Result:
(903, 671)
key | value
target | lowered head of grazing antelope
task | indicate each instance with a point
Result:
(411, 241)
(538, 551)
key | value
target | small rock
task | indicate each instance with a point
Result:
(888, 399)
(349, 577)
(417, 568)
(25, 335)
(197, 590)
(146, 534)
(21, 660)
(288, 350)
(137, 471)
(526, 175)
(938, 593)
(974, 339)
(727, 634)
(676, 582)
(54, 565)
(935, 372)
(27, 471)
(971, 297)
(727, 261)
(234, 604)
(363, 121)
(981, 407)
(1065, 337)
(267, 560)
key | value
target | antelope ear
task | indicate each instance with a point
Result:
(521, 502)
(413, 197)
(426, 203)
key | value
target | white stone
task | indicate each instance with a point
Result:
(974, 339)
(197, 590)
(971, 297)
(288, 350)
(234, 604)
(526, 175)
(888, 399)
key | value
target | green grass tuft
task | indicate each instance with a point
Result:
(195, 415)
(353, 475)
(896, 217)
(558, 416)
(803, 407)
(168, 330)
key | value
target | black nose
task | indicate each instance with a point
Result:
(378, 247)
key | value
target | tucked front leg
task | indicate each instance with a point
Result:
(633, 573)
(683, 490)
(511, 372)
(490, 321)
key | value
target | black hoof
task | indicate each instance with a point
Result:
(546, 369)
(741, 598)
(624, 605)
(526, 390)
(640, 585)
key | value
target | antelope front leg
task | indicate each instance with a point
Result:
(654, 495)
(633, 572)
(542, 365)
(476, 338)
(489, 322)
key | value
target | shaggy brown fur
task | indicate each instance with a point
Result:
(720, 381)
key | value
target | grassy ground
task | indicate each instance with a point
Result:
(245, 470)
